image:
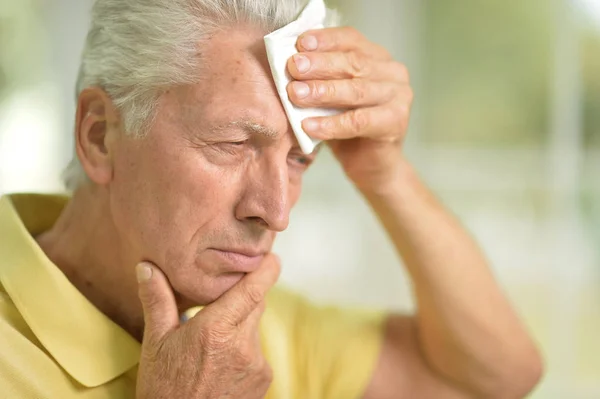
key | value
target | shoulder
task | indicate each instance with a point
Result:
(27, 369)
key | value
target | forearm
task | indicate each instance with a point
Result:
(467, 329)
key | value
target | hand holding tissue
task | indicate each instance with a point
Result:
(338, 86)
(281, 45)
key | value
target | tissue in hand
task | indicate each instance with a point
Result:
(281, 45)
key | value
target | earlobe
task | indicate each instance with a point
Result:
(96, 124)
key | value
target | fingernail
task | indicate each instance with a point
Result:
(143, 272)
(311, 125)
(302, 63)
(301, 89)
(309, 42)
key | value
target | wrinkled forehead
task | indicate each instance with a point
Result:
(235, 80)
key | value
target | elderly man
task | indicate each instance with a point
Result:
(186, 169)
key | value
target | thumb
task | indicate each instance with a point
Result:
(160, 309)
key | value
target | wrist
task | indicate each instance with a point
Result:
(392, 186)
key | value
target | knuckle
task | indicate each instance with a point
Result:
(253, 294)
(358, 121)
(328, 90)
(245, 357)
(320, 90)
(358, 91)
(356, 64)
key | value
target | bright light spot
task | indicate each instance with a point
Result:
(30, 142)
(592, 9)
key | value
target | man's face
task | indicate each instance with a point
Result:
(205, 193)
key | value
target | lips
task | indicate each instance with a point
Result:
(239, 261)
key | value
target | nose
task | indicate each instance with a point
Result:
(266, 198)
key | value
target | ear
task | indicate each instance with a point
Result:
(97, 126)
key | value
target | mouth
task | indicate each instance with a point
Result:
(239, 261)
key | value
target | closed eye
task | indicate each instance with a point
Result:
(231, 147)
(237, 143)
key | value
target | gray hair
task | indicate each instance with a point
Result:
(135, 49)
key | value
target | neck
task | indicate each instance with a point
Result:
(85, 244)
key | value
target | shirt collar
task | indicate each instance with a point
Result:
(85, 342)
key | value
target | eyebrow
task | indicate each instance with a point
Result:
(251, 127)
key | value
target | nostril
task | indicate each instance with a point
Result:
(258, 220)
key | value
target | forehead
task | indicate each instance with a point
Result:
(236, 82)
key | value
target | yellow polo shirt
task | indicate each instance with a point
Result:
(55, 344)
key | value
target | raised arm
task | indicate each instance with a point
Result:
(465, 340)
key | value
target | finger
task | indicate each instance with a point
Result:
(343, 38)
(344, 65)
(347, 93)
(252, 323)
(158, 302)
(237, 304)
(373, 122)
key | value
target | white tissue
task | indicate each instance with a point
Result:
(281, 45)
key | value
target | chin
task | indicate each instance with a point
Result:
(208, 294)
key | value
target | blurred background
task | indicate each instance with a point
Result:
(505, 129)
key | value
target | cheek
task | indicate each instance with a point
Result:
(166, 199)
(142, 197)
(129, 195)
